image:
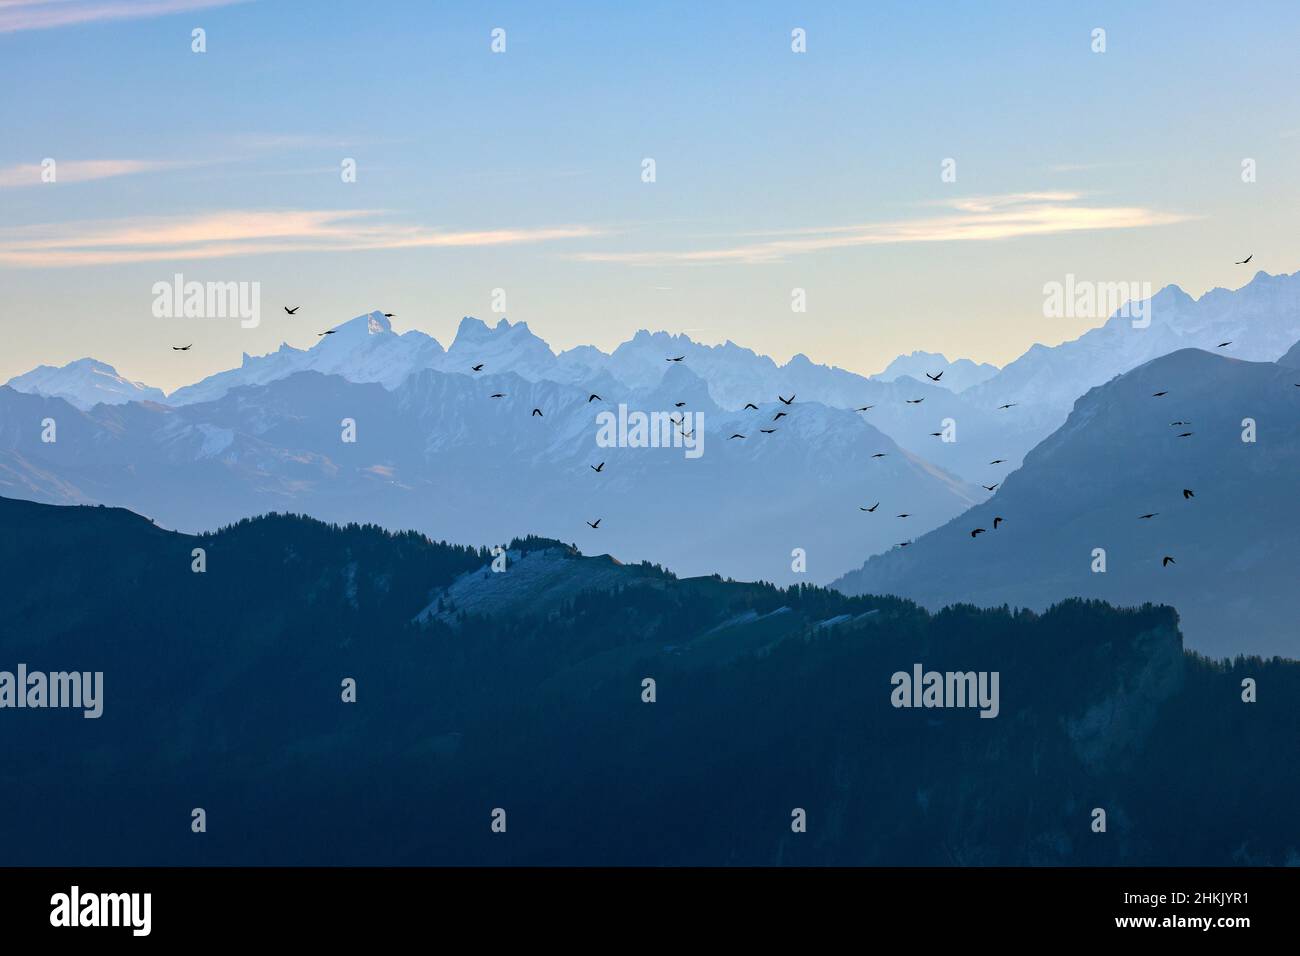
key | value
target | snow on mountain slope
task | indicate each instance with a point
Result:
(364, 349)
(1261, 320)
(84, 383)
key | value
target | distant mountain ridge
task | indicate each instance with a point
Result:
(1120, 455)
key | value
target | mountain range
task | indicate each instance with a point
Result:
(1224, 430)
(610, 714)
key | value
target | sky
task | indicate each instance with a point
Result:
(522, 170)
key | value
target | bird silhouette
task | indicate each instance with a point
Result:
(389, 315)
(996, 522)
(990, 487)
(977, 531)
(1171, 424)
(537, 412)
(678, 359)
(1151, 515)
(880, 454)
(937, 434)
(1158, 394)
(476, 368)
(934, 378)
(1188, 493)
(1166, 561)
(597, 468)
(872, 508)
(1222, 345)
(497, 395)
(326, 332)
(915, 401)
(1245, 260)
(680, 405)
(864, 408)
(293, 310)
(596, 523)
(750, 405)
(997, 461)
(593, 397)
(1186, 435)
(778, 416)
(182, 348)
(1008, 405)
(767, 431)
(786, 401)
(905, 514)
(736, 435)
(903, 544)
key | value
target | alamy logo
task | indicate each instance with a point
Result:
(1074, 299)
(638, 429)
(179, 299)
(922, 688)
(103, 909)
(35, 689)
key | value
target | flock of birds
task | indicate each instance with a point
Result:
(1166, 560)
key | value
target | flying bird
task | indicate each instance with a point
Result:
(990, 487)
(1171, 424)
(997, 461)
(1222, 345)
(293, 310)
(596, 523)
(497, 395)
(786, 401)
(1166, 561)
(593, 397)
(934, 378)
(778, 416)
(880, 454)
(1245, 260)
(1008, 405)
(767, 431)
(679, 405)
(872, 508)
(1188, 493)
(327, 332)
(597, 468)
(389, 315)
(915, 401)
(864, 408)
(903, 544)
(1158, 394)
(476, 368)
(937, 434)
(977, 531)
(1151, 515)
(996, 522)
(182, 348)
(750, 405)
(1186, 435)
(538, 413)
(905, 515)
(737, 435)
(678, 359)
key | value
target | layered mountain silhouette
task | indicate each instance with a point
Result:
(1124, 453)
(954, 376)
(528, 690)
(437, 454)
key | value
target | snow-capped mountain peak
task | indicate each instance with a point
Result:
(84, 383)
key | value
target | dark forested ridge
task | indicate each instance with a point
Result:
(523, 690)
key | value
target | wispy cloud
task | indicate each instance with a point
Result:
(19, 15)
(972, 219)
(82, 171)
(242, 233)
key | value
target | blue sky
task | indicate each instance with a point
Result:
(522, 170)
